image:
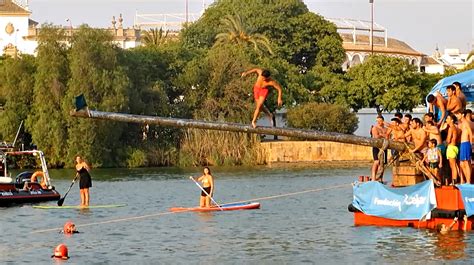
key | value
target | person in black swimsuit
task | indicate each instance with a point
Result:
(85, 181)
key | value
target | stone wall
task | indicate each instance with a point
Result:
(314, 151)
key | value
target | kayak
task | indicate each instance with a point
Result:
(78, 207)
(223, 207)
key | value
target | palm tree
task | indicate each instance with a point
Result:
(237, 33)
(470, 55)
(154, 37)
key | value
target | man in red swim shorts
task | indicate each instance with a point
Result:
(260, 92)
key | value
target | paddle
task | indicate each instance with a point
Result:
(61, 201)
(220, 208)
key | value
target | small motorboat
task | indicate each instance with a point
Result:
(28, 186)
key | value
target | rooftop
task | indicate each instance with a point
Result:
(362, 43)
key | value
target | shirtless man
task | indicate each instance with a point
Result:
(405, 125)
(432, 132)
(452, 150)
(465, 148)
(418, 136)
(454, 103)
(437, 100)
(460, 94)
(260, 92)
(378, 131)
(428, 117)
(396, 133)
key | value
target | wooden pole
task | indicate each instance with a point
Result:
(237, 127)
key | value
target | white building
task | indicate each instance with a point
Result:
(15, 26)
(19, 34)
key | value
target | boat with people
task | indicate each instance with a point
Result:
(27, 186)
(417, 197)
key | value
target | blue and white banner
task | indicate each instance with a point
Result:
(409, 203)
(467, 194)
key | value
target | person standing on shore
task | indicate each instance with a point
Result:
(85, 180)
(260, 93)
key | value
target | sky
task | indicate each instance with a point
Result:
(422, 24)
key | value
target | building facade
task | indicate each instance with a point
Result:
(19, 34)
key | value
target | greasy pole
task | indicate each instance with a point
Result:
(237, 127)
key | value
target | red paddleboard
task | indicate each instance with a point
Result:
(224, 207)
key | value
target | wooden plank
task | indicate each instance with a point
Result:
(237, 127)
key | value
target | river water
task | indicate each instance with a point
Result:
(291, 227)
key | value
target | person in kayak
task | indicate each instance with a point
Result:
(207, 182)
(260, 92)
(85, 180)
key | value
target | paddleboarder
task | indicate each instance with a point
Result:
(260, 93)
(207, 182)
(85, 180)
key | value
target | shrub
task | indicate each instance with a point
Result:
(137, 158)
(323, 117)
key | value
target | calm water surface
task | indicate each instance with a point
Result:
(312, 227)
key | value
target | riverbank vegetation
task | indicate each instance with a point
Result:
(193, 75)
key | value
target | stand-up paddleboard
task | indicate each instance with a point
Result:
(78, 207)
(223, 207)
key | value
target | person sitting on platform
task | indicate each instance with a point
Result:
(433, 159)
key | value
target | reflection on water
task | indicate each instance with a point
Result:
(313, 227)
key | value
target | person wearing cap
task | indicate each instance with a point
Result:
(260, 93)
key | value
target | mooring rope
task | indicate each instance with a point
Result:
(125, 219)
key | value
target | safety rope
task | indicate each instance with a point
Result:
(167, 213)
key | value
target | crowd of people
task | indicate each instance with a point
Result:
(442, 142)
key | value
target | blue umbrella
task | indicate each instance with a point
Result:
(465, 78)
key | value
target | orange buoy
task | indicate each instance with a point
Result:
(69, 228)
(60, 252)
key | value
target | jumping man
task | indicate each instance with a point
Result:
(260, 92)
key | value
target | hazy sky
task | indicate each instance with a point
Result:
(421, 23)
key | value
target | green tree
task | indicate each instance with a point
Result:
(297, 35)
(16, 83)
(155, 37)
(47, 121)
(323, 117)
(237, 33)
(383, 83)
(95, 72)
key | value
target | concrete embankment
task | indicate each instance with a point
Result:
(315, 152)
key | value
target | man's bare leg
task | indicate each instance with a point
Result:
(258, 106)
(375, 168)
